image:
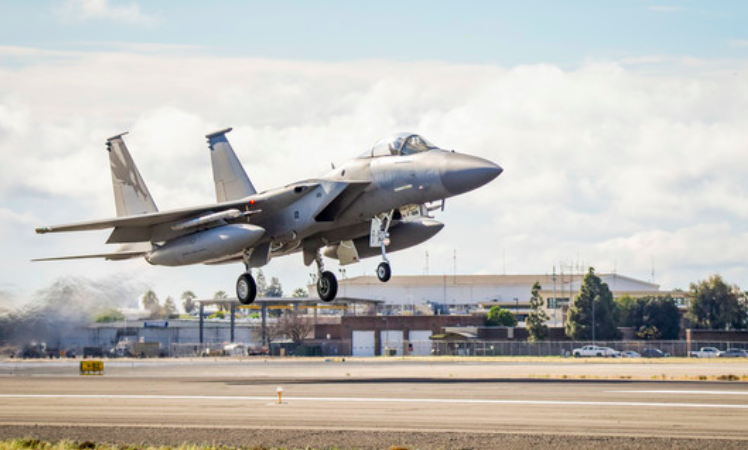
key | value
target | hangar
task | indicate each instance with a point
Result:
(464, 294)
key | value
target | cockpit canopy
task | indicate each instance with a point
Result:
(400, 144)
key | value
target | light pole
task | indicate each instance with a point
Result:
(593, 319)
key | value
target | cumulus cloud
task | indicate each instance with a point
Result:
(119, 11)
(604, 163)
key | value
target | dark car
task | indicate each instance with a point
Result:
(654, 353)
(734, 353)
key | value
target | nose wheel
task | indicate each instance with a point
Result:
(327, 286)
(384, 272)
(327, 283)
(246, 289)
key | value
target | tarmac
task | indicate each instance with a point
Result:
(379, 403)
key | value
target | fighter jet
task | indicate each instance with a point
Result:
(377, 203)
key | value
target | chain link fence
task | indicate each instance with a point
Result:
(561, 348)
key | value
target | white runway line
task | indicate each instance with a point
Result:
(687, 392)
(379, 400)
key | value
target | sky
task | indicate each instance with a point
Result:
(622, 126)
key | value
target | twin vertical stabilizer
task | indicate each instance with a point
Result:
(229, 176)
(131, 195)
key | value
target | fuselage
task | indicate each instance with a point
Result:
(392, 182)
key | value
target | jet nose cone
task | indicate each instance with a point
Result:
(463, 173)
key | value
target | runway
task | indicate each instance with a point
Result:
(350, 404)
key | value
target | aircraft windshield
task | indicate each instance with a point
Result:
(400, 144)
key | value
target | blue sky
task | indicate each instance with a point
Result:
(506, 33)
(622, 125)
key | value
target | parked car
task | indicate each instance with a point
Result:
(706, 352)
(630, 354)
(654, 353)
(594, 350)
(734, 353)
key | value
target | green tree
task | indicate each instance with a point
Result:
(594, 297)
(262, 284)
(151, 303)
(274, 289)
(221, 295)
(300, 293)
(535, 321)
(650, 317)
(170, 308)
(662, 314)
(717, 305)
(109, 315)
(188, 301)
(500, 317)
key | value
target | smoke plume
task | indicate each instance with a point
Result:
(62, 308)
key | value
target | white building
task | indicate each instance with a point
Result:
(471, 292)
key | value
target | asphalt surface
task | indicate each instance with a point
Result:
(368, 404)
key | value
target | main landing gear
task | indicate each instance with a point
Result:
(327, 283)
(246, 288)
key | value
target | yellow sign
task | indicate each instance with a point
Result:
(92, 367)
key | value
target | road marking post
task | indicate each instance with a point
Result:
(280, 394)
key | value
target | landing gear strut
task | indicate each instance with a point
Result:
(327, 283)
(380, 237)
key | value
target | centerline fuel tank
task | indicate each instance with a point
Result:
(207, 245)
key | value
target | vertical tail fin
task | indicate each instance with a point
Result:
(231, 180)
(131, 195)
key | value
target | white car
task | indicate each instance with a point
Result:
(706, 352)
(594, 350)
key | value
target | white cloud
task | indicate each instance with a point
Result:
(603, 163)
(119, 11)
(739, 43)
(665, 9)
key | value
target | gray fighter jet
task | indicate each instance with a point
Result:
(377, 203)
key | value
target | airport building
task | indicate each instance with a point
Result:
(465, 294)
(369, 318)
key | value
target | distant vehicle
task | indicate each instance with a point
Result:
(594, 350)
(734, 353)
(93, 352)
(630, 354)
(706, 352)
(654, 353)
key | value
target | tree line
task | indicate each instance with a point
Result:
(595, 315)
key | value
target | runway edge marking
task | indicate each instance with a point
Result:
(379, 400)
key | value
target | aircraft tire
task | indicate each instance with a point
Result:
(246, 289)
(327, 286)
(384, 273)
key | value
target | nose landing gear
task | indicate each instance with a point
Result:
(327, 283)
(380, 237)
(384, 273)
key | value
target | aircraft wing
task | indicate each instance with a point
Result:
(165, 225)
(158, 226)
